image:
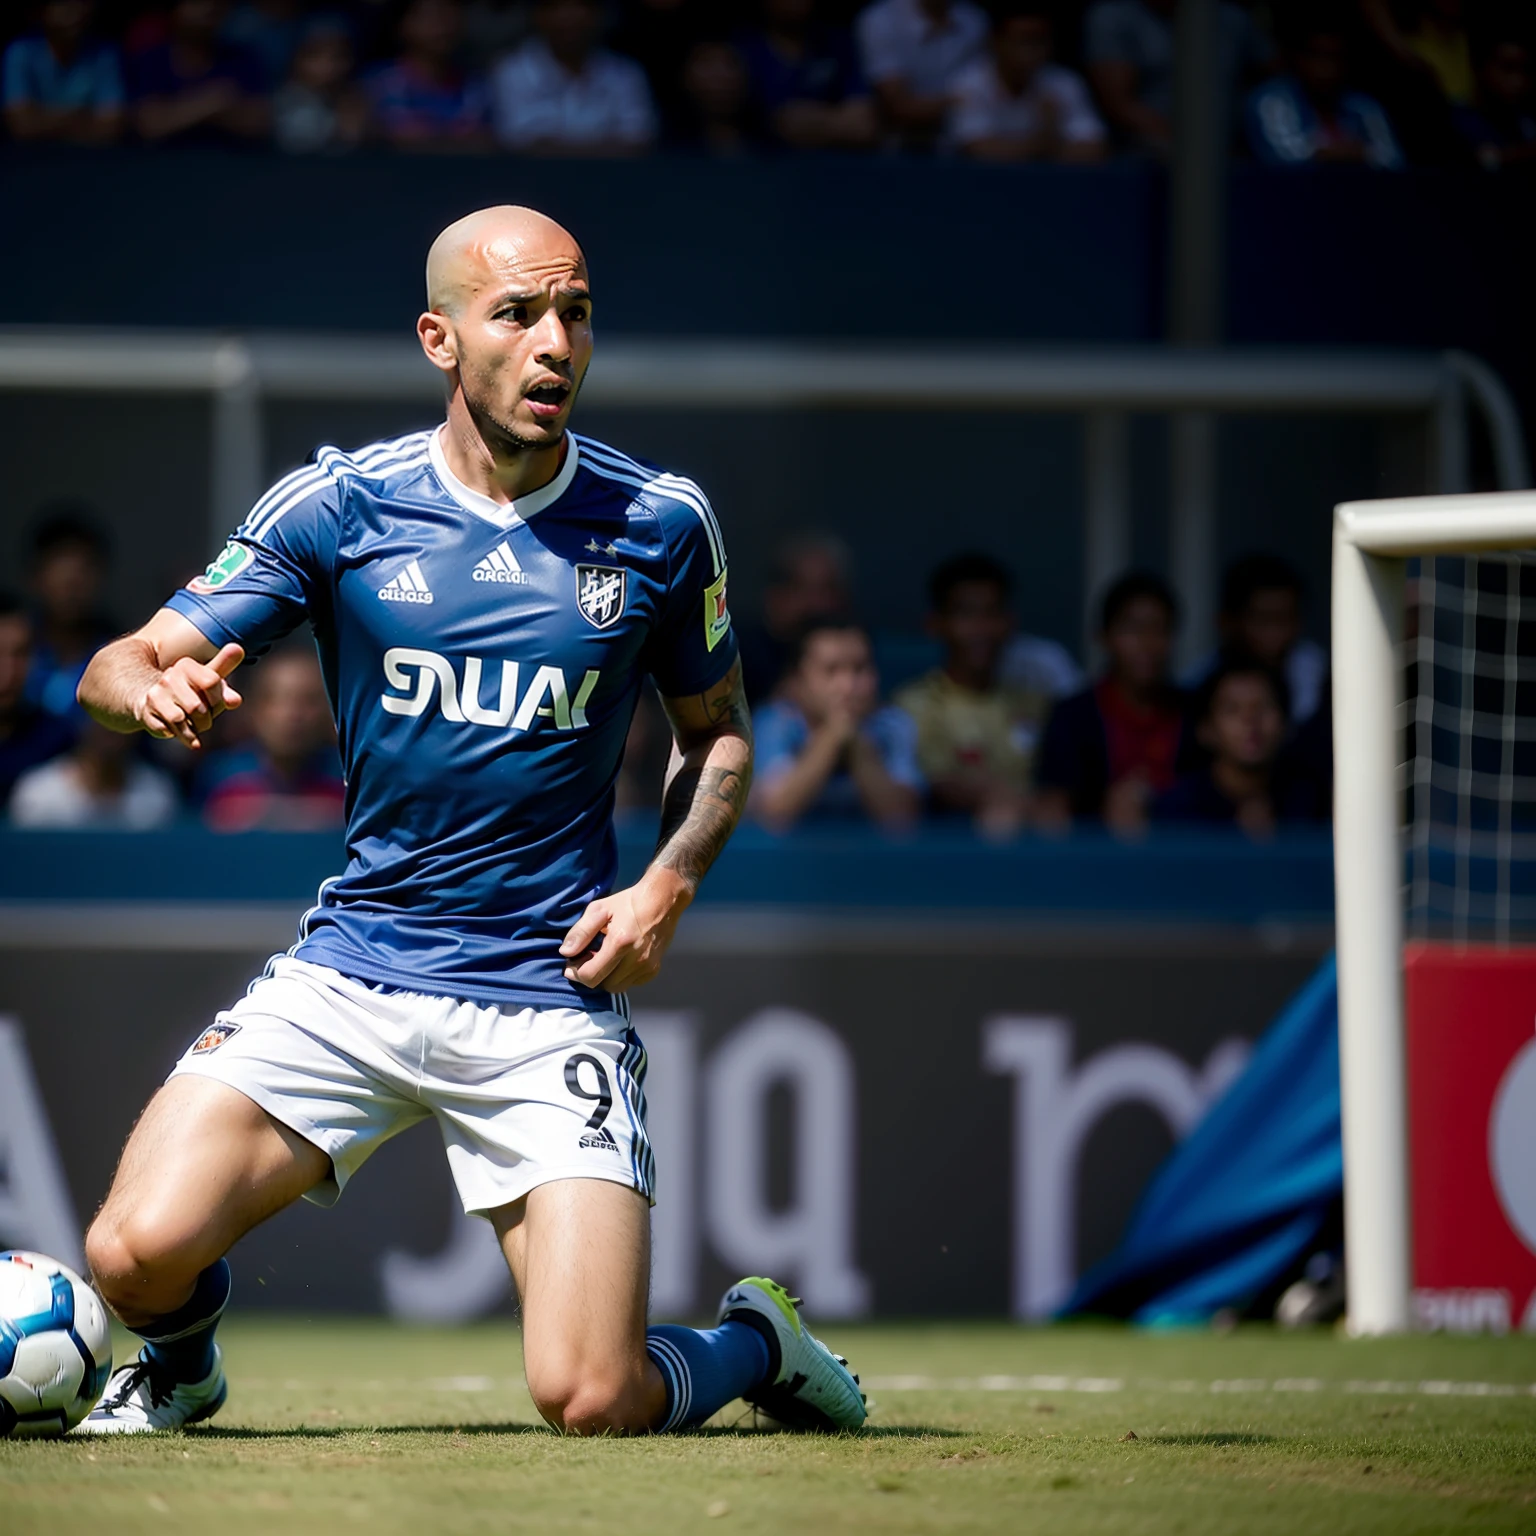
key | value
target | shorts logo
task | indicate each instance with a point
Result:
(232, 559)
(600, 594)
(599, 1141)
(717, 616)
(213, 1037)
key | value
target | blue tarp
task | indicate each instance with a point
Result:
(1239, 1202)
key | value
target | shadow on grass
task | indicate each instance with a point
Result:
(230, 1433)
(1235, 1437)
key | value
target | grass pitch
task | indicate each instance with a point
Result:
(368, 1427)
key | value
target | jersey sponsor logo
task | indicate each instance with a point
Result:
(213, 1037)
(417, 675)
(501, 566)
(231, 560)
(600, 591)
(717, 616)
(409, 586)
(598, 1141)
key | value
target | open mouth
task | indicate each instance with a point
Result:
(549, 399)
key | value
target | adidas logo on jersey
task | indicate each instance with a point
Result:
(410, 586)
(599, 1141)
(501, 565)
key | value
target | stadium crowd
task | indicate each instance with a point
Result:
(1379, 83)
(988, 726)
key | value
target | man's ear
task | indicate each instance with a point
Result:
(435, 332)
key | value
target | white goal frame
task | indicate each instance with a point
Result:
(1372, 543)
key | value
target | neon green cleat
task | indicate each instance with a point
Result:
(807, 1387)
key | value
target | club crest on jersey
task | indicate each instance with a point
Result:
(213, 1037)
(600, 594)
(231, 560)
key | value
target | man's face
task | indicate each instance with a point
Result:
(1140, 642)
(814, 589)
(1023, 45)
(1246, 724)
(1320, 65)
(66, 19)
(1507, 73)
(974, 624)
(523, 339)
(15, 659)
(67, 581)
(198, 20)
(837, 676)
(291, 715)
(433, 28)
(568, 26)
(1269, 626)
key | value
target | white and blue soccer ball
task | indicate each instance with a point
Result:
(55, 1347)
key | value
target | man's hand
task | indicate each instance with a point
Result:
(636, 926)
(188, 695)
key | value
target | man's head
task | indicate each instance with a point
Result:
(570, 28)
(1261, 608)
(834, 671)
(324, 57)
(809, 580)
(1504, 73)
(1242, 714)
(509, 323)
(69, 566)
(432, 30)
(66, 22)
(970, 612)
(716, 81)
(1138, 620)
(1319, 58)
(197, 21)
(1021, 41)
(15, 654)
(290, 714)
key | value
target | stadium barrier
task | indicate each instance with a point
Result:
(905, 1107)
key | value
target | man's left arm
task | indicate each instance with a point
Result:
(706, 792)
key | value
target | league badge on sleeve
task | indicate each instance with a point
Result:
(232, 559)
(600, 594)
(717, 617)
(213, 1037)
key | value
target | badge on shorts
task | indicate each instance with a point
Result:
(213, 1037)
(600, 594)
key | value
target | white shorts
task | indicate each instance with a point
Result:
(522, 1097)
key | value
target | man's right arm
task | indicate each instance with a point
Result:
(167, 679)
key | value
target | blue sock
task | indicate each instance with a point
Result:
(182, 1341)
(704, 1369)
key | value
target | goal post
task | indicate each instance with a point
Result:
(1372, 543)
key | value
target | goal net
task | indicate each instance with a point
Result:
(1434, 632)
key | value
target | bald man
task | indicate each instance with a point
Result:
(487, 597)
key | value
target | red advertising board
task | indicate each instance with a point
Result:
(1471, 1018)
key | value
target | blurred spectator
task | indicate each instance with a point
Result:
(1428, 37)
(661, 36)
(320, 108)
(1108, 750)
(975, 736)
(808, 579)
(806, 80)
(562, 94)
(99, 783)
(1500, 127)
(827, 750)
(1039, 665)
(68, 573)
(717, 114)
(268, 30)
(1129, 49)
(1241, 718)
(28, 735)
(493, 28)
(1014, 104)
(913, 52)
(1260, 620)
(423, 100)
(1309, 115)
(61, 82)
(195, 88)
(288, 779)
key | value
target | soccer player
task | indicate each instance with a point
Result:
(487, 598)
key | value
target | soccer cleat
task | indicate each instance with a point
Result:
(807, 1386)
(142, 1398)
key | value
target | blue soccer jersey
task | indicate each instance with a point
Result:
(483, 662)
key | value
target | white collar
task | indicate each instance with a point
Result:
(506, 514)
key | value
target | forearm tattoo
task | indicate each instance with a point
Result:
(707, 793)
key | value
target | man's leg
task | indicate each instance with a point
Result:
(579, 1251)
(203, 1166)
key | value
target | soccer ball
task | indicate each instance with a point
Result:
(55, 1347)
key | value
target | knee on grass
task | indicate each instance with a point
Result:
(580, 1402)
(139, 1267)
